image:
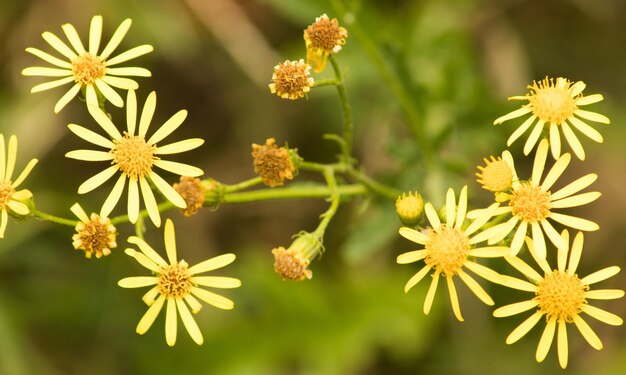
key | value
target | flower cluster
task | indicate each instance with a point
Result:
(526, 210)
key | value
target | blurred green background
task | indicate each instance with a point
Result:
(456, 60)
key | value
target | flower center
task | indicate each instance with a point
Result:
(552, 103)
(325, 35)
(530, 203)
(291, 79)
(95, 237)
(496, 175)
(561, 296)
(6, 192)
(87, 68)
(175, 281)
(447, 249)
(134, 156)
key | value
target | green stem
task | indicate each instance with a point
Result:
(346, 111)
(326, 82)
(375, 186)
(242, 185)
(329, 175)
(292, 192)
(54, 219)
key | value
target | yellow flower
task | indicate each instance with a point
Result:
(532, 203)
(498, 174)
(12, 200)
(561, 296)
(448, 248)
(88, 69)
(135, 157)
(177, 284)
(556, 104)
(95, 235)
(410, 208)
(323, 38)
(291, 80)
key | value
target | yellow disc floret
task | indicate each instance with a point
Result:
(175, 281)
(530, 203)
(86, 68)
(6, 192)
(561, 296)
(447, 249)
(552, 103)
(134, 156)
(291, 79)
(496, 175)
(95, 237)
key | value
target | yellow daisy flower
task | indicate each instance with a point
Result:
(448, 248)
(135, 157)
(12, 200)
(177, 284)
(531, 203)
(88, 69)
(95, 235)
(323, 38)
(556, 104)
(561, 296)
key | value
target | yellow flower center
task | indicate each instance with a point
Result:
(6, 192)
(530, 203)
(175, 281)
(87, 68)
(561, 296)
(447, 250)
(552, 103)
(325, 35)
(496, 175)
(95, 237)
(291, 80)
(134, 156)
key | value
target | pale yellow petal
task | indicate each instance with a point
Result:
(523, 328)
(430, 295)
(79, 212)
(11, 158)
(114, 197)
(131, 112)
(117, 37)
(411, 256)
(146, 321)
(573, 141)
(515, 308)
(58, 45)
(181, 146)
(461, 209)
(217, 282)
(555, 141)
(147, 113)
(553, 235)
(515, 283)
(604, 294)
(170, 125)
(212, 264)
(142, 259)
(562, 344)
(454, 299)
(481, 220)
(213, 299)
(576, 253)
(189, 322)
(533, 137)
(602, 315)
(524, 268)
(518, 238)
(150, 202)
(66, 98)
(91, 97)
(539, 241)
(129, 71)
(120, 83)
(167, 190)
(72, 36)
(556, 171)
(170, 322)
(3, 157)
(574, 222)
(4, 219)
(29, 167)
(148, 251)
(95, 33)
(21, 195)
(577, 200)
(546, 340)
(490, 252)
(511, 115)
(574, 187)
(414, 235)
(540, 161)
(89, 155)
(150, 297)
(133, 200)
(110, 94)
(97, 180)
(562, 251)
(170, 241)
(521, 130)
(179, 168)
(130, 54)
(576, 88)
(91, 136)
(51, 84)
(592, 116)
(49, 58)
(475, 288)
(18, 207)
(138, 281)
(432, 216)
(193, 303)
(484, 272)
(600, 275)
(586, 129)
(415, 279)
(590, 99)
(450, 207)
(587, 332)
(105, 122)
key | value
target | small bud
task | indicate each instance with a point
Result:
(410, 208)
(292, 263)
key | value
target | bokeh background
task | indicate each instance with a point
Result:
(456, 62)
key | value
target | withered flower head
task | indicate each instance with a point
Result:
(274, 164)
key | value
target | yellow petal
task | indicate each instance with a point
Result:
(137, 281)
(97, 180)
(72, 36)
(217, 282)
(90, 136)
(450, 207)
(601, 275)
(117, 37)
(546, 340)
(150, 202)
(95, 33)
(178, 147)
(562, 344)
(511, 115)
(574, 222)
(523, 328)
(170, 322)
(213, 299)
(430, 296)
(414, 235)
(602, 315)
(170, 125)
(212, 264)
(146, 321)
(49, 58)
(147, 113)
(475, 288)
(58, 45)
(574, 187)
(66, 98)
(573, 141)
(411, 256)
(521, 130)
(148, 251)
(114, 196)
(432, 216)
(587, 332)
(189, 322)
(556, 171)
(533, 137)
(415, 279)
(515, 308)
(454, 299)
(130, 54)
(555, 141)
